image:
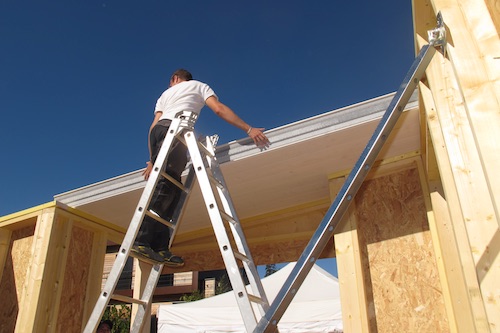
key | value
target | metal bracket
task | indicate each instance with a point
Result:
(437, 36)
(187, 119)
(214, 139)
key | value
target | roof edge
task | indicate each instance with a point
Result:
(288, 134)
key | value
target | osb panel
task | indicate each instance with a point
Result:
(262, 254)
(403, 289)
(14, 275)
(75, 281)
(272, 238)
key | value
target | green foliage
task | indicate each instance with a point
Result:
(223, 285)
(194, 296)
(120, 317)
(270, 269)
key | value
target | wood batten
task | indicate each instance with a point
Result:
(142, 271)
(460, 102)
(52, 260)
(349, 265)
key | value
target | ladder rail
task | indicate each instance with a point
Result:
(178, 124)
(240, 240)
(250, 268)
(239, 289)
(269, 322)
(147, 296)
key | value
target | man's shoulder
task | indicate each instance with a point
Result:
(196, 82)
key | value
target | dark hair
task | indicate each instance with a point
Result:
(183, 74)
(107, 322)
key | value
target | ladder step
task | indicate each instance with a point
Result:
(205, 150)
(256, 299)
(215, 181)
(173, 181)
(227, 217)
(241, 256)
(159, 219)
(127, 299)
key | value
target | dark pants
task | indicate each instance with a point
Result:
(166, 195)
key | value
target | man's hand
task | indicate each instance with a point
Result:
(228, 115)
(258, 137)
(147, 171)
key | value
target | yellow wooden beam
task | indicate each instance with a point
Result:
(350, 269)
(447, 257)
(142, 271)
(13, 220)
(473, 50)
(5, 236)
(35, 311)
(385, 166)
(455, 116)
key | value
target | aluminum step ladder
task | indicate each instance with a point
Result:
(326, 229)
(206, 169)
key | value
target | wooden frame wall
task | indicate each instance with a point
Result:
(461, 107)
(276, 237)
(450, 248)
(389, 279)
(52, 268)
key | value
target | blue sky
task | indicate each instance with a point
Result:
(79, 79)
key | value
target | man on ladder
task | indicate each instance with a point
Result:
(183, 94)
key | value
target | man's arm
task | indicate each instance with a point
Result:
(149, 164)
(232, 118)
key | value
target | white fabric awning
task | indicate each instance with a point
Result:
(315, 308)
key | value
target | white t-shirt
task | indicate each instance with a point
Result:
(184, 96)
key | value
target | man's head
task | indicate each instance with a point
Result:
(179, 76)
(105, 326)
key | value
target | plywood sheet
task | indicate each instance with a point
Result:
(401, 274)
(14, 275)
(70, 315)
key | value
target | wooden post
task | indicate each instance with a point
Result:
(42, 288)
(142, 270)
(351, 280)
(464, 88)
(5, 235)
(445, 239)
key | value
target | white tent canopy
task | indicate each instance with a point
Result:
(315, 308)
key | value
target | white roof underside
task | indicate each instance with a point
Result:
(293, 171)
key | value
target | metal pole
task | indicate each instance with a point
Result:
(269, 322)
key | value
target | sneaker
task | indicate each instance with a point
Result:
(170, 259)
(147, 253)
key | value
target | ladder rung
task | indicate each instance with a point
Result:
(159, 219)
(173, 181)
(215, 181)
(127, 299)
(205, 149)
(241, 256)
(227, 217)
(256, 299)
